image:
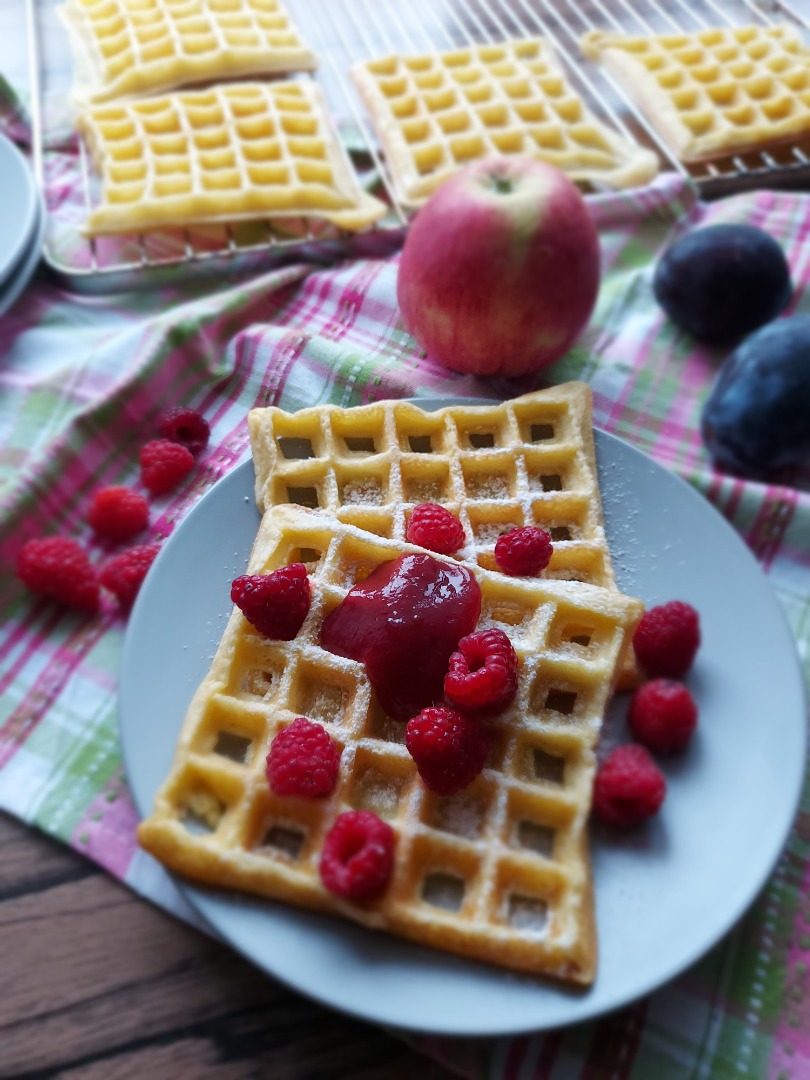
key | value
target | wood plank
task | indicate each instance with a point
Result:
(98, 983)
(196, 1059)
(27, 866)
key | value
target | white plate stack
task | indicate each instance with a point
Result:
(22, 224)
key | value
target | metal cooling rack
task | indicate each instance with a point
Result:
(343, 32)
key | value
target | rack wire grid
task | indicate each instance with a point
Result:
(342, 33)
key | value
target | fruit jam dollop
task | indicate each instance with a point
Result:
(403, 622)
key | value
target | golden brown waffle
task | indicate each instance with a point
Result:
(714, 92)
(436, 112)
(528, 461)
(499, 872)
(131, 48)
(232, 152)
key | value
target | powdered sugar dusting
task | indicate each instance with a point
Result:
(366, 492)
(461, 814)
(487, 532)
(487, 487)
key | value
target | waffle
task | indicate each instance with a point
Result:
(499, 872)
(436, 112)
(232, 152)
(528, 461)
(714, 92)
(131, 48)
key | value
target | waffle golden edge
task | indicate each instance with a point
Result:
(520, 908)
(714, 92)
(435, 112)
(240, 151)
(125, 48)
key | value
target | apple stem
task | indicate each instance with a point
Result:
(503, 185)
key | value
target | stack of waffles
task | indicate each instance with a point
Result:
(234, 150)
(501, 871)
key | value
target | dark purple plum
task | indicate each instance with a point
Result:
(721, 282)
(757, 416)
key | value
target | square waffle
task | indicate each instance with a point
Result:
(436, 112)
(132, 48)
(528, 461)
(231, 152)
(499, 872)
(714, 92)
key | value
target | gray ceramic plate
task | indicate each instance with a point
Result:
(12, 288)
(20, 208)
(665, 894)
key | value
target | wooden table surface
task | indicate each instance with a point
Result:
(97, 984)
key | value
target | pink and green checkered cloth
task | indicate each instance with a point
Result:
(81, 383)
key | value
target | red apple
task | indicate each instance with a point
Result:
(500, 269)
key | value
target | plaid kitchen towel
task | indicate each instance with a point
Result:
(81, 383)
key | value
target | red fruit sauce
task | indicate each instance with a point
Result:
(403, 622)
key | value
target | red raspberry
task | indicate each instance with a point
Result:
(667, 638)
(663, 715)
(483, 673)
(449, 748)
(58, 567)
(276, 604)
(303, 761)
(358, 856)
(163, 465)
(118, 512)
(628, 787)
(185, 426)
(123, 574)
(435, 528)
(522, 551)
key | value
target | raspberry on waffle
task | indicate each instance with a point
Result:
(499, 872)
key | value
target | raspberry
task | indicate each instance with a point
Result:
(628, 787)
(163, 465)
(276, 604)
(118, 512)
(525, 550)
(449, 748)
(303, 761)
(483, 673)
(58, 567)
(663, 715)
(358, 856)
(667, 638)
(435, 528)
(185, 426)
(123, 574)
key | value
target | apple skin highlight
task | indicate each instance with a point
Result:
(499, 272)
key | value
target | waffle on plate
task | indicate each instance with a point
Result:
(499, 872)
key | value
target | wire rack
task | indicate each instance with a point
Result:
(343, 32)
